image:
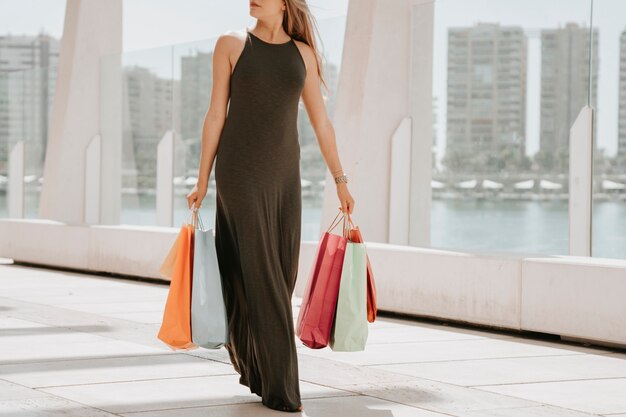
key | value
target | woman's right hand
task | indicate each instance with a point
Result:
(196, 195)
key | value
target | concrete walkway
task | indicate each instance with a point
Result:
(82, 345)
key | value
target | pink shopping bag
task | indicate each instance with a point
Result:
(319, 302)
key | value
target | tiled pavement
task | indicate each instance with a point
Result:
(82, 345)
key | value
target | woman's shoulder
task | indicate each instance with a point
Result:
(231, 38)
(308, 56)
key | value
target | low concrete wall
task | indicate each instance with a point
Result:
(128, 250)
(575, 297)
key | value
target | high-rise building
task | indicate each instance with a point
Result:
(26, 52)
(486, 89)
(565, 83)
(196, 83)
(28, 69)
(195, 92)
(150, 111)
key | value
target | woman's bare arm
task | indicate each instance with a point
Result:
(225, 47)
(324, 130)
(316, 109)
(216, 113)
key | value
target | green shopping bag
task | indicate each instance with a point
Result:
(349, 333)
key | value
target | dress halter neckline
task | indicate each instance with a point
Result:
(269, 43)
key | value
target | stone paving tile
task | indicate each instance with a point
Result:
(339, 374)
(600, 396)
(10, 325)
(538, 411)
(515, 370)
(80, 287)
(438, 396)
(404, 353)
(12, 391)
(63, 335)
(117, 307)
(102, 352)
(68, 300)
(421, 392)
(357, 406)
(109, 327)
(48, 406)
(413, 334)
(158, 394)
(218, 355)
(434, 330)
(36, 352)
(17, 333)
(147, 317)
(111, 369)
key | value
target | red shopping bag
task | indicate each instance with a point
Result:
(175, 328)
(319, 302)
(355, 236)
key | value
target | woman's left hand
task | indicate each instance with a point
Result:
(346, 200)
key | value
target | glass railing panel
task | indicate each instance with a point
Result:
(148, 94)
(26, 104)
(4, 144)
(193, 64)
(508, 83)
(609, 165)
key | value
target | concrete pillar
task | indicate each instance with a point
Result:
(581, 183)
(376, 93)
(92, 28)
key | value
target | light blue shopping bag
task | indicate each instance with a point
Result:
(349, 332)
(209, 323)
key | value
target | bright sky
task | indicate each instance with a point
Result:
(156, 23)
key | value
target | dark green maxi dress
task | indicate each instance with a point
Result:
(258, 217)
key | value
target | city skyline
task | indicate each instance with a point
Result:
(554, 14)
(447, 14)
(495, 62)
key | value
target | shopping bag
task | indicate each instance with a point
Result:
(167, 267)
(349, 332)
(319, 301)
(175, 330)
(209, 324)
(355, 236)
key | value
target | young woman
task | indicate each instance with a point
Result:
(264, 71)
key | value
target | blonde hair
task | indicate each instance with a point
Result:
(299, 23)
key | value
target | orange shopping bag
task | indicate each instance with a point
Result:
(355, 236)
(175, 328)
(167, 267)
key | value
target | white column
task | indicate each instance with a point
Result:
(16, 181)
(374, 96)
(400, 184)
(93, 171)
(92, 28)
(421, 110)
(164, 180)
(112, 106)
(580, 183)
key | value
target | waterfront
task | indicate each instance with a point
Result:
(517, 226)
